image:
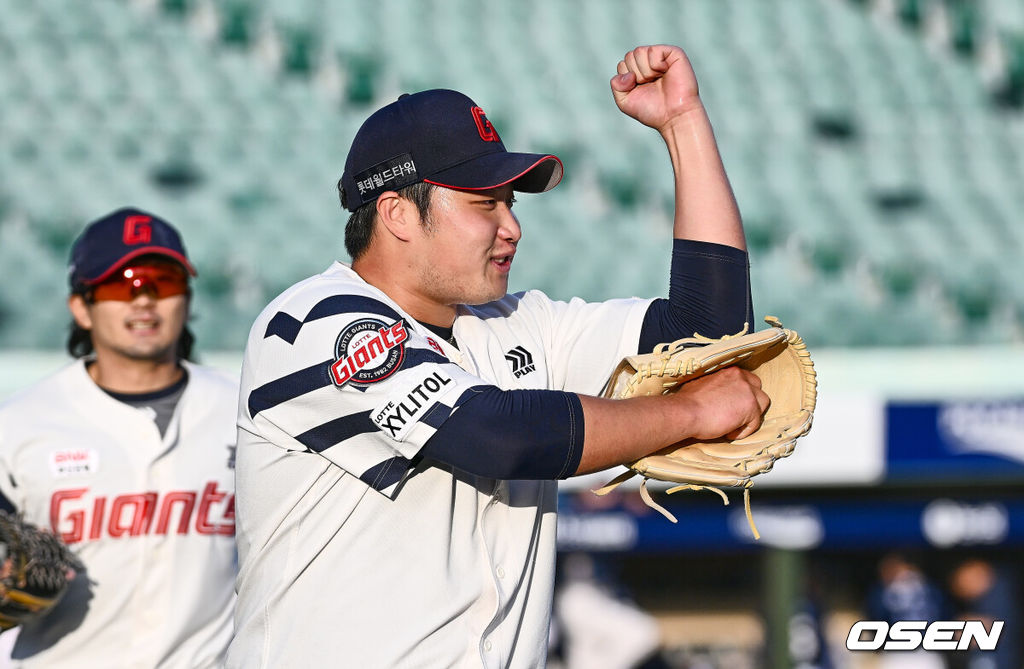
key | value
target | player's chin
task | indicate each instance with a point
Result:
(500, 287)
(156, 351)
(492, 290)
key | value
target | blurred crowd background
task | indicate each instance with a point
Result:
(876, 149)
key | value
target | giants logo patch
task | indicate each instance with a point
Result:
(368, 351)
(483, 126)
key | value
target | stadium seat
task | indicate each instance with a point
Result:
(865, 162)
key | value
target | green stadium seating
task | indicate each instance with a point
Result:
(879, 180)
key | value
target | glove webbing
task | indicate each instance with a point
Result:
(689, 366)
(39, 569)
(47, 570)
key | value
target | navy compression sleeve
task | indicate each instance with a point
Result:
(512, 434)
(709, 293)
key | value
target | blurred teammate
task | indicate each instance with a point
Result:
(403, 421)
(987, 592)
(127, 454)
(904, 592)
(598, 626)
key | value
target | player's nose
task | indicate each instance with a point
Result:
(509, 229)
(144, 294)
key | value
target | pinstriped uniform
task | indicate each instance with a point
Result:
(354, 550)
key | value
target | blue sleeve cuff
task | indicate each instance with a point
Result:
(512, 434)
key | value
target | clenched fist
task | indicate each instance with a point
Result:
(655, 85)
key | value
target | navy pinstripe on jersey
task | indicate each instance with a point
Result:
(289, 387)
(336, 431)
(287, 327)
(372, 429)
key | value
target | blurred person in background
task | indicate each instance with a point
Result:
(598, 626)
(987, 593)
(127, 455)
(904, 592)
(808, 641)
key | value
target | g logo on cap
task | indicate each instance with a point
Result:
(137, 230)
(483, 126)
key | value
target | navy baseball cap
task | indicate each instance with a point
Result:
(441, 137)
(109, 242)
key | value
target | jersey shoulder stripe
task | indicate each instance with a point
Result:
(387, 473)
(336, 431)
(289, 387)
(287, 327)
(420, 356)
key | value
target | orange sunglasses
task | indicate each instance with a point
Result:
(158, 278)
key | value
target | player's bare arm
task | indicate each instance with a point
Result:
(727, 403)
(656, 85)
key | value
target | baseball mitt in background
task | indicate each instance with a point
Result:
(776, 355)
(35, 572)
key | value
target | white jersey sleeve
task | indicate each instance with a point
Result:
(588, 339)
(577, 343)
(334, 367)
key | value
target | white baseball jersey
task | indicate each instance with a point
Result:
(355, 552)
(151, 517)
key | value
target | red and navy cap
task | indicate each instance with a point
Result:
(441, 137)
(109, 242)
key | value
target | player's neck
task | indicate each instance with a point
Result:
(124, 375)
(412, 301)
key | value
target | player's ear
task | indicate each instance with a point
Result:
(80, 311)
(397, 215)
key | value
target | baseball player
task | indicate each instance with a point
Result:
(403, 421)
(127, 455)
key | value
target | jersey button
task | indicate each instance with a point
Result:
(488, 645)
(500, 572)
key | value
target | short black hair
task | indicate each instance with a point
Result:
(359, 228)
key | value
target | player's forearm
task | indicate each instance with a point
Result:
(622, 431)
(705, 208)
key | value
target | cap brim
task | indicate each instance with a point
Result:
(527, 172)
(143, 251)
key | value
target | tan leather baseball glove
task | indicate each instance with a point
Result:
(776, 355)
